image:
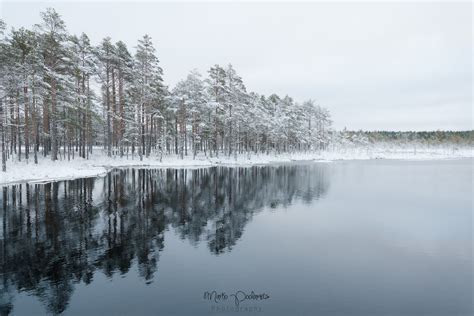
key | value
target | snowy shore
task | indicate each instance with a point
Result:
(100, 164)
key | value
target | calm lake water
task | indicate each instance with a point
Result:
(342, 238)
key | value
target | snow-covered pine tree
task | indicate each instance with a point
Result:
(106, 57)
(53, 37)
(149, 93)
(235, 100)
(189, 97)
(124, 64)
(84, 65)
(216, 85)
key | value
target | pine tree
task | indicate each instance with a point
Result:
(148, 92)
(124, 64)
(189, 99)
(53, 36)
(235, 101)
(106, 57)
(217, 91)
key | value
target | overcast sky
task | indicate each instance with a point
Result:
(390, 66)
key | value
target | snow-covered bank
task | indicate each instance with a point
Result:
(47, 170)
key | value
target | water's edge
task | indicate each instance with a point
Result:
(95, 170)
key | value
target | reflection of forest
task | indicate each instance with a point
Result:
(57, 234)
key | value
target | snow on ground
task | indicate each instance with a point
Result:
(47, 170)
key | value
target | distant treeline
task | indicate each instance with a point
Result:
(423, 137)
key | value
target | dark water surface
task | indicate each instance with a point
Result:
(343, 238)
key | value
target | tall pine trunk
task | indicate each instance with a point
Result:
(107, 102)
(54, 127)
(27, 123)
(2, 131)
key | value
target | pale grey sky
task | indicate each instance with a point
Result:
(391, 66)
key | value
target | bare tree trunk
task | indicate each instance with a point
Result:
(18, 124)
(185, 132)
(107, 106)
(2, 131)
(122, 114)
(89, 121)
(114, 112)
(27, 123)
(215, 135)
(12, 127)
(176, 134)
(231, 139)
(35, 126)
(193, 137)
(142, 128)
(83, 118)
(46, 128)
(54, 127)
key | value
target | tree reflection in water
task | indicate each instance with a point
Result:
(55, 235)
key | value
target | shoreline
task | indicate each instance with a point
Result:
(61, 170)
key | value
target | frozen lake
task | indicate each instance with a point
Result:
(377, 237)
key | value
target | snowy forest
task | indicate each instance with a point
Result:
(61, 97)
